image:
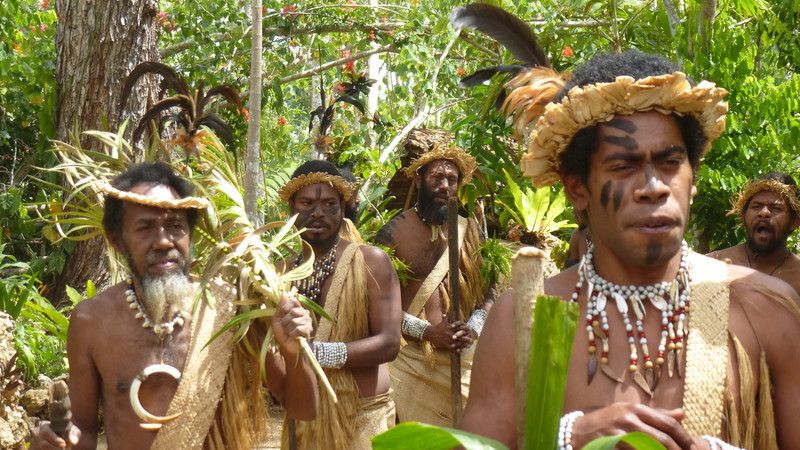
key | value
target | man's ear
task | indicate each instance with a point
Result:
(115, 240)
(418, 181)
(795, 221)
(577, 192)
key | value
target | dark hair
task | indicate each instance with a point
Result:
(605, 68)
(784, 178)
(155, 173)
(347, 174)
(316, 165)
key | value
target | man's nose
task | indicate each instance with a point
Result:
(764, 211)
(653, 188)
(164, 239)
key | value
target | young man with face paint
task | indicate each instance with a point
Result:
(419, 237)
(693, 352)
(358, 287)
(142, 334)
(769, 208)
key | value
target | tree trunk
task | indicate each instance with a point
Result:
(97, 44)
(252, 161)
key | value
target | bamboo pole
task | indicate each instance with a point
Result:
(527, 279)
(455, 294)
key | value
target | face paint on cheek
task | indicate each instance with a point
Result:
(653, 252)
(618, 192)
(332, 210)
(604, 193)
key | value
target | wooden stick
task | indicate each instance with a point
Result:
(455, 294)
(60, 408)
(527, 279)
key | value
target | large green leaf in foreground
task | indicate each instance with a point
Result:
(555, 322)
(430, 437)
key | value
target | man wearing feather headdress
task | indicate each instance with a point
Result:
(418, 237)
(142, 352)
(694, 352)
(769, 208)
(358, 288)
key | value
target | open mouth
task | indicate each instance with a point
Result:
(763, 230)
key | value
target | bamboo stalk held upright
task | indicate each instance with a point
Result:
(527, 278)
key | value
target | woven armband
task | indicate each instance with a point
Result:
(413, 326)
(477, 319)
(719, 444)
(330, 355)
(565, 430)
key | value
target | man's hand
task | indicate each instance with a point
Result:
(622, 418)
(43, 437)
(290, 321)
(454, 336)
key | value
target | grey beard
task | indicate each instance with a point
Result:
(164, 295)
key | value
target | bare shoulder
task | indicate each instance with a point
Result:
(731, 255)
(100, 306)
(771, 307)
(388, 234)
(375, 257)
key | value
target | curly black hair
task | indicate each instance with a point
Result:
(605, 68)
(155, 173)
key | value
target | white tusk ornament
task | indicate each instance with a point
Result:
(151, 422)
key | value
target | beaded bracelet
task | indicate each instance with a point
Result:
(477, 319)
(565, 429)
(718, 444)
(414, 326)
(330, 355)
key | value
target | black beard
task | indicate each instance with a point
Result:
(766, 248)
(433, 213)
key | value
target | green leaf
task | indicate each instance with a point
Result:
(430, 437)
(637, 440)
(555, 322)
(74, 296)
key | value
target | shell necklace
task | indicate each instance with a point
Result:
(160, 329)
(672, 299)
(323, 268)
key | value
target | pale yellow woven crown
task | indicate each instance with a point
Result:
(181, 203)
(588, 105)
(465, 162)
(299, 182)
(787, 192)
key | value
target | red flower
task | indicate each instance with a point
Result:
(338, 87)
(567, 51)
(461, 72)
(288, 9)
(45, 4)
(348, 66)
(371, 35)
(263, 10)
(281, 121)
(246, 114)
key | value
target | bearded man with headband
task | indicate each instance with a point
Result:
(421, 373)
(770, 211)
(358, 288)
(689, 350)
(142, 352)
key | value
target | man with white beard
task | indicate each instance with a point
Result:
(769, 208)
(139, 350)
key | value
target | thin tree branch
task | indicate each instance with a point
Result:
(331, 64)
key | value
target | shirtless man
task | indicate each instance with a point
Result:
(358, 287)
(421, 373)
(630, 165)
(770, 211)
(149, 218)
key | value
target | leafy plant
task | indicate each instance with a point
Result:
(537, 211)
(496, 260)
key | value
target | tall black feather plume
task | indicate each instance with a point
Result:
(504, 27)
(483, 75)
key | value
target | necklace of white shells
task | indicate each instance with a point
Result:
(162, 330)
(670, 298)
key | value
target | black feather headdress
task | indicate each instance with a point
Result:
(190, 116)
(534, 83)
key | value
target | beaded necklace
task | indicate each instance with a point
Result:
(160, 329)
(323, 268)
(671, 298)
